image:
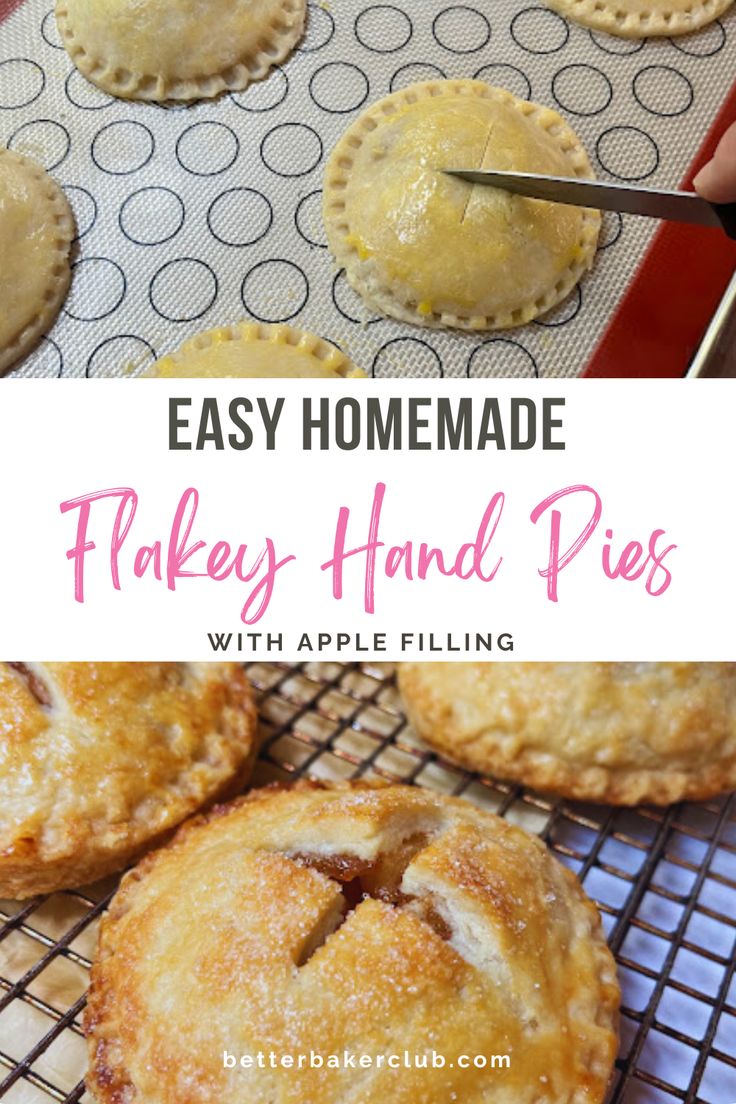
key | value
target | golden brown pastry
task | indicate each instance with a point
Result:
(643, 18)
(622, 733)
(351, 918)
(36, 232)
(178, 49)
(253, 349)
(99, 761)
(431, 249)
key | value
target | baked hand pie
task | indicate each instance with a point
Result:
(643, 18)
(178, 49)
(251, 349)
(621, 733)
(431, 249)
(36, 232)
(99, 761)
(333, 919)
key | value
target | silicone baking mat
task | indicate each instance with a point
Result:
(192, 217)
(665, 881)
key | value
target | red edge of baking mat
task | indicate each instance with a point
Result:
(675, 292)
(7, 7)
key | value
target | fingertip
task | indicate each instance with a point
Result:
(713, 185)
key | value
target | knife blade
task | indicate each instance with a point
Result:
(606, 195)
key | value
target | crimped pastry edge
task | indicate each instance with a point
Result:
(106, 1078)
(101, 854)
(361, 275)
(53, 196)
(274, 333)
(551, 774)
(650, 24)
(148, 86)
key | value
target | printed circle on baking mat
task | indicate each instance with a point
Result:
(151, 216)
(501, 75)
(612, 227)
(45, 140)
(319, 31)
(98, 288)
(240, 216)
(349, 304)
(582, 89)
(407, 356)
(461, 29)
(567, 310)
(627, 152)
(123, 147)
(183, 289)
(263, 95)
(121, 355)
(48, 361)
(663, 91)
(207, 148)
(275, 290)
(84, 207)
(50, 31)
(416, 71)
(291, 149)
(21, 82)
(308, 219)
(84, 95)
(540, 31)
(611, 44)
(706, 43)
(383, 28)
(339, 87)
(483, 361)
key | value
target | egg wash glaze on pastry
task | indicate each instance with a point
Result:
(427, 248)
(178, 49)
(36, 232)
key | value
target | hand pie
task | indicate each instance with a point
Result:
(350, 918)
(178, 49)
(254, 350)
(427, 248)
(99, 761)
(643, 18)
(36, 232)
(622, 733)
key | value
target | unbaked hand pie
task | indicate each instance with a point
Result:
(643, 18)
(623, 733)
(36, 232)
(99, 761)
(431, 249)
(178, 49)
(372, 921)
(255, 350)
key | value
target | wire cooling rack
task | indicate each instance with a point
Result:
(665, 881)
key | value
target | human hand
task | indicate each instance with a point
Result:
(716, 181)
